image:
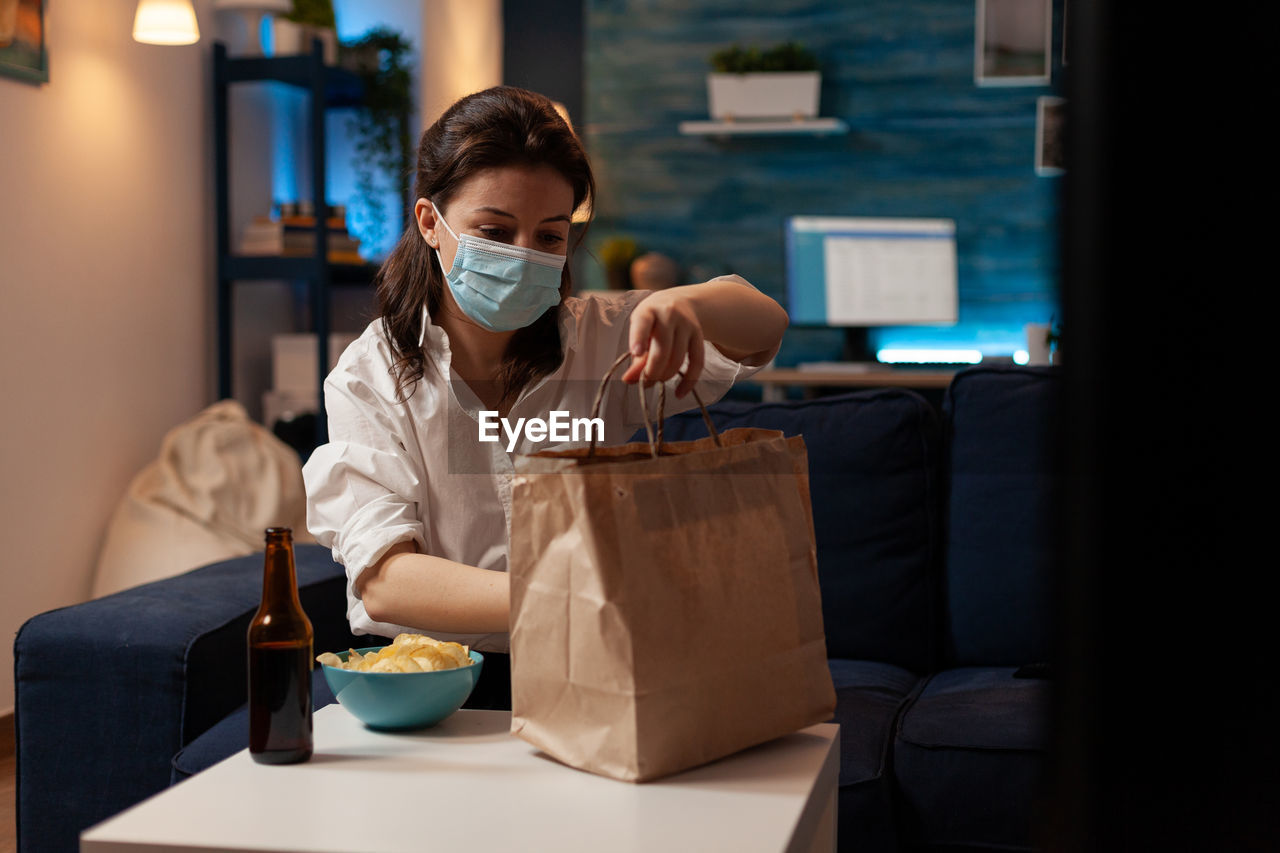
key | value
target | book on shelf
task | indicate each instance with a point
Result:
(295, 236)
(335, 223)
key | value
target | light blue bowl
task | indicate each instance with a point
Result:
(397, 701)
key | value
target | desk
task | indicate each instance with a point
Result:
(775, 381)
(469, 785)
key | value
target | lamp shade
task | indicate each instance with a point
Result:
(165, 22)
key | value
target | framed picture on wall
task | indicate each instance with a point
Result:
(23, 52)
(1050, 116)
(1013, 41)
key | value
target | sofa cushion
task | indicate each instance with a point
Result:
(967, 759)
(231, 734)
(869, 696)
(1003, 481)
(872, 463)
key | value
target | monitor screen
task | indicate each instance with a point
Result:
(859, 271)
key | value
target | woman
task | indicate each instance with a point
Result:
(476, 319)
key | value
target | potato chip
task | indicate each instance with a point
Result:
(406, 653)
(384, 653)
(412, 640)
(431, 658)
(395, 663)
(459, 653)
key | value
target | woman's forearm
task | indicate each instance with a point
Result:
(742, 322)
(435, 594)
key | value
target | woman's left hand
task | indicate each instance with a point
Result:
(664, 329)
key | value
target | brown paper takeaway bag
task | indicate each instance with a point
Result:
(665, 609)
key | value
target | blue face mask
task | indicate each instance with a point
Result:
(499, 286)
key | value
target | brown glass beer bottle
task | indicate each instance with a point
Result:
(280, 655)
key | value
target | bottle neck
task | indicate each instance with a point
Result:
(279, 580)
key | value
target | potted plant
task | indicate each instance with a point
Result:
(616, 255)
(292, 33)
(1053, 343)
(778, 82)
(380, 129)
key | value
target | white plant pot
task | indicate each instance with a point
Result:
(289, 39)
(1037, 342)
(286, 37)
(764, 95)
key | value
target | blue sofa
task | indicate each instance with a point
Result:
(934, 534)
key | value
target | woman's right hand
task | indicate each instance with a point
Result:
(665, 328)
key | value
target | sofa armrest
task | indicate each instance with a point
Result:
(109, 690)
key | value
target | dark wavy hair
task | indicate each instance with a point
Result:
(501, 126)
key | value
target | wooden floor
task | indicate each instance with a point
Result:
(8, 828)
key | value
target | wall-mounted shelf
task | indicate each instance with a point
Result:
(811, 127)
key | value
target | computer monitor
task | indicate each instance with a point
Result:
(861, 272)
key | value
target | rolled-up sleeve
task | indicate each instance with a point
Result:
(719, 372)
(364, 488)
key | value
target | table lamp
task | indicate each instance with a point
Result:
(165, 22)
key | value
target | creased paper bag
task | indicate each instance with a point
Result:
(666, 610)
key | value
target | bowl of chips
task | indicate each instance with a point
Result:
(412, 683)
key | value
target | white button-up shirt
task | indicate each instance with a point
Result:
(417, 470)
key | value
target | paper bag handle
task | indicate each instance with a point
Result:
(654, 443)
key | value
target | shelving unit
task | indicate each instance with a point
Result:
(329, 88)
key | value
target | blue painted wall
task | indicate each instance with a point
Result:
(924, 141)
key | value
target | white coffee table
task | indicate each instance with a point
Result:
(469, 785)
